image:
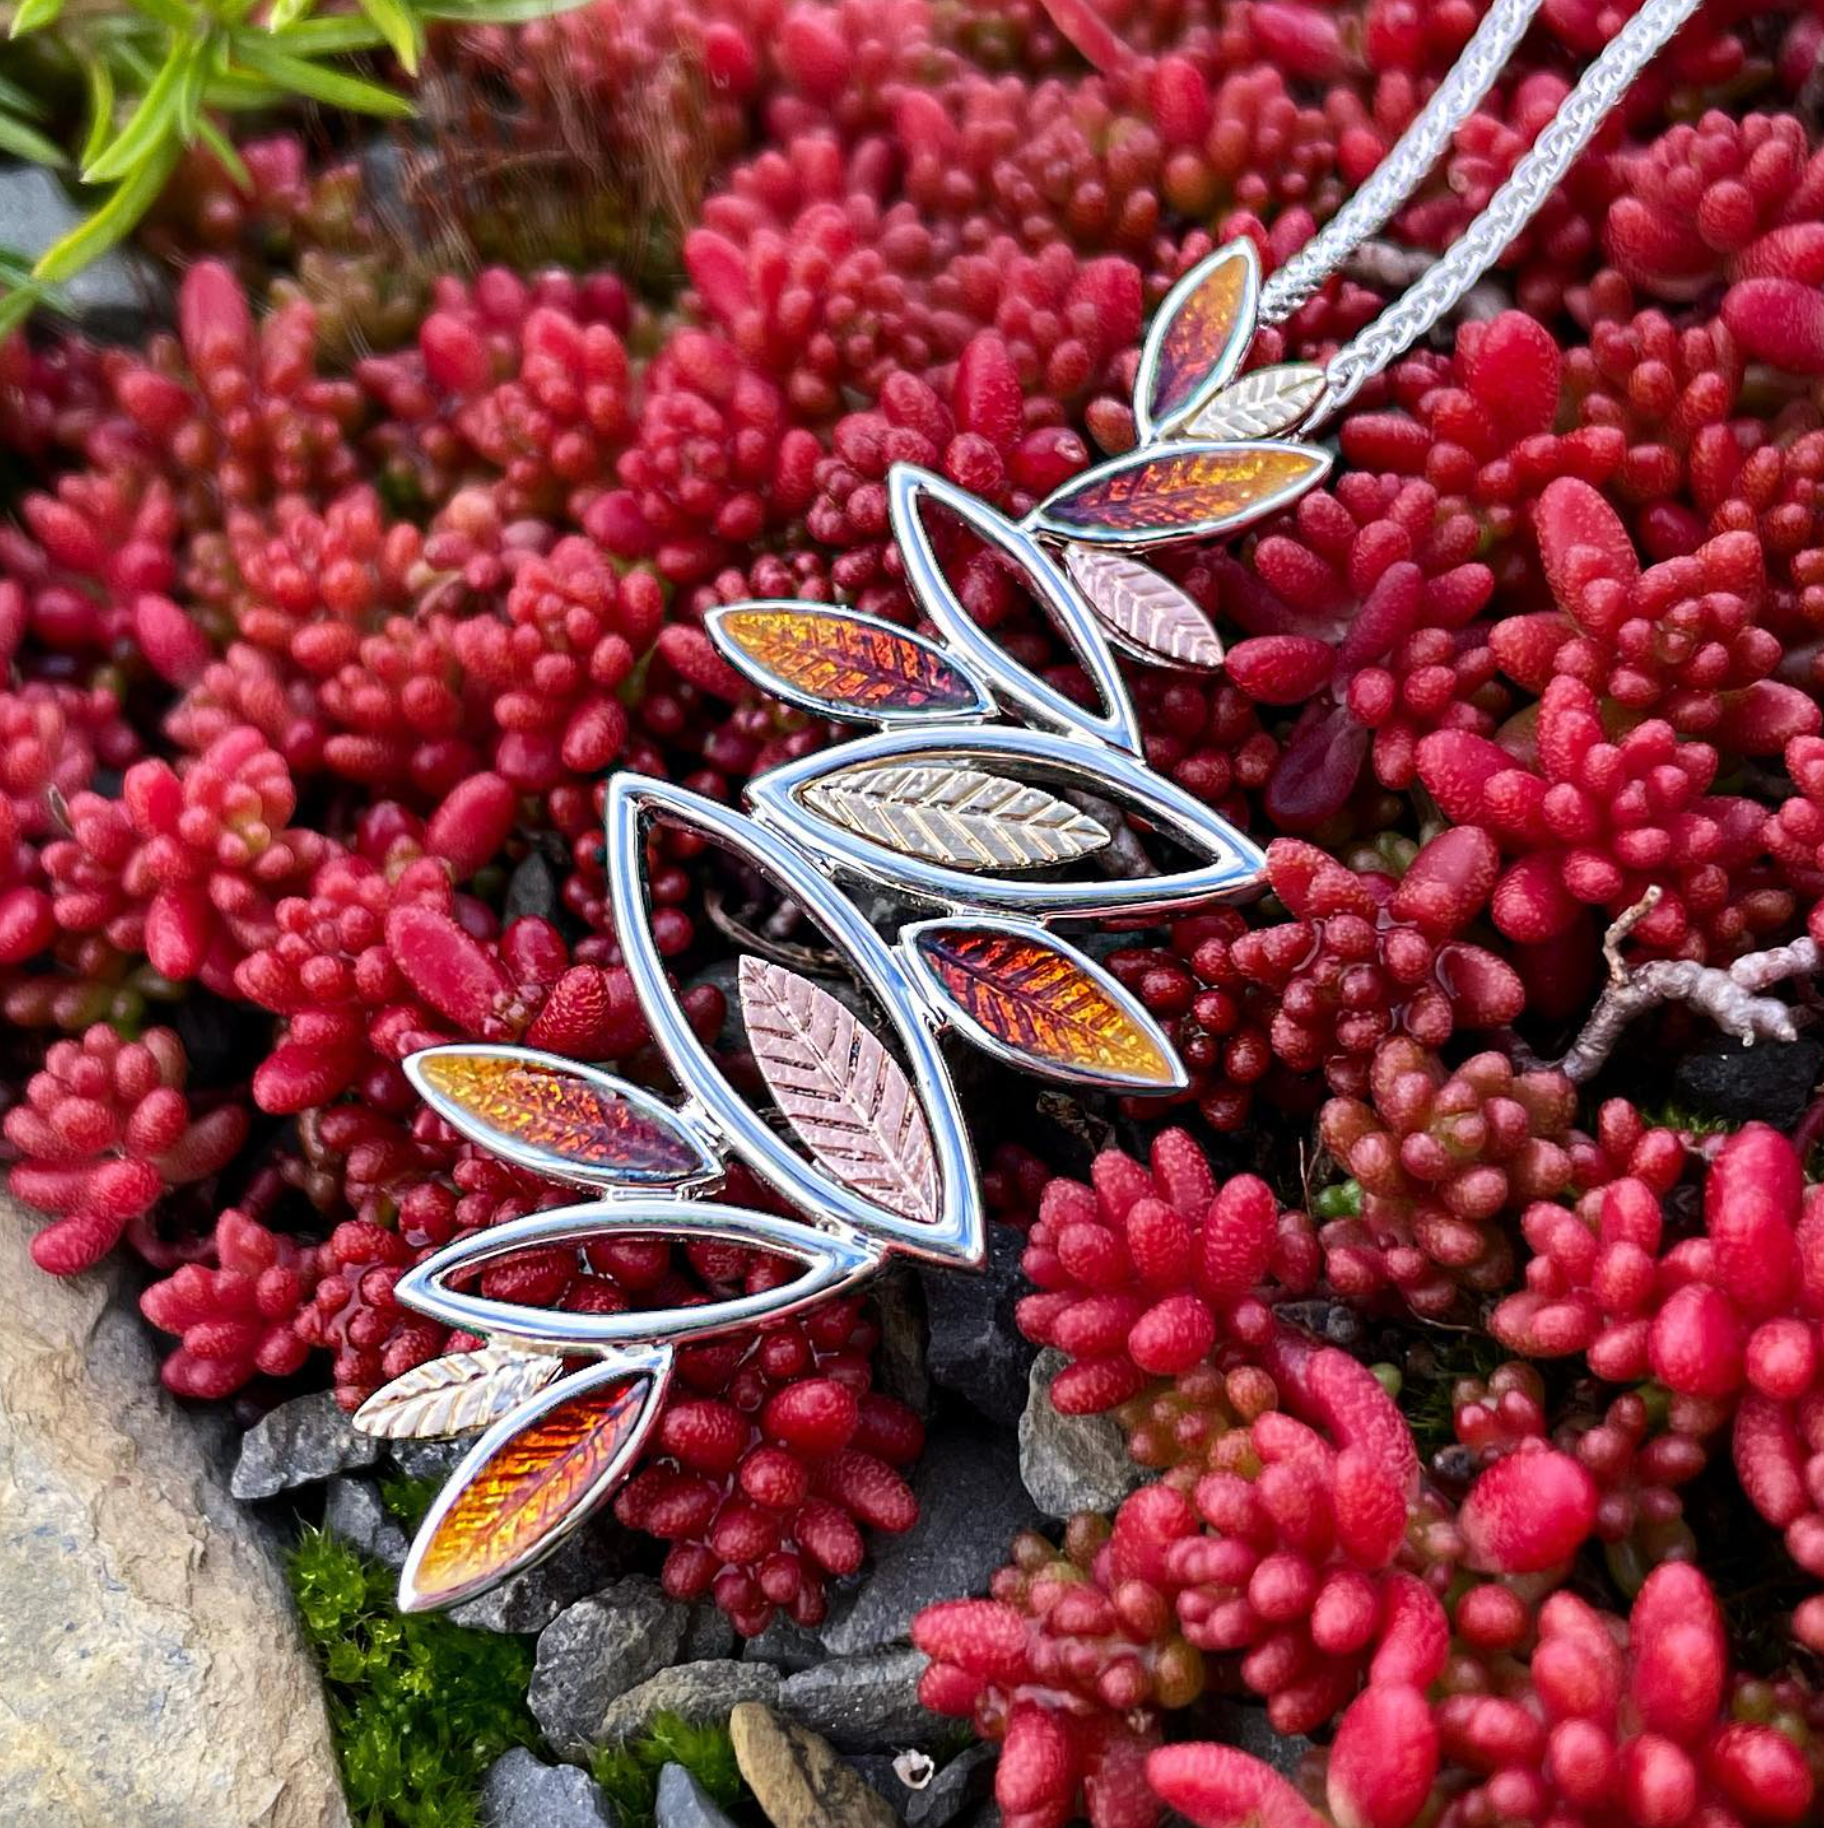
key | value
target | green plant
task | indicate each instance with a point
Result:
(419, 1707)
(630, 1773)
(159, 76)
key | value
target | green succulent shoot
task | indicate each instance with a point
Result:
(159, 76)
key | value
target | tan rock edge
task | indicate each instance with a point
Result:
(797, 1779)
(151, 1672)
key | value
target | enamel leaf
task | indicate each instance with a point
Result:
(529, 1481)
(1024, 993)
(840, 1089)
(1180, 492)
(557, 1117)
(455, 1394)
(839, 663)
(962, 817)
(1147, 614)
(1260, 405)
(1197, 339)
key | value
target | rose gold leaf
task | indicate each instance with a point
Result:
(1146, 613)
(1180, 491)
(455, 1394)
(840, 1089)
(1198, 338)
(1260, 405)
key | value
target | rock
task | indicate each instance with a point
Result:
(966, 1780)
(971, 1505)
(433, 1460)
(1772, 1080)
(593, 1652)
(862, 1704)
(299, 1443)
(352, 1511)
(899, 1359)
(798, 1779)
(684, 1803)
(531, 890)
(975, 1348)
(1245, 1724)
(785, 1645)
(155, 1677)
(697, 1692)
(881, 1775)
(1071, 1463)
(529, 1601)
(119, 295)
(521, 1791)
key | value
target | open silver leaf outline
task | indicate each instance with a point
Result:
(1191, 351)
(908, 488)
(634, 802)
(652, 1364)
(835, 1257)
(1231, 872)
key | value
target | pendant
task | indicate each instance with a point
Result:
(981, 801)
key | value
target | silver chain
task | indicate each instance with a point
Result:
(1398, 175)
(1511, 208)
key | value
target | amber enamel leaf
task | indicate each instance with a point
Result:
(1028, 994)
(1198, 339)
(964, 818)
(1260, 405)
(557, 1117)
(842, 664)
(516, 1496)
(1147, 614)
(845, 1095)
(456, 1394)
(1181, 491)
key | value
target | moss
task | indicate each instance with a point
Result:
(630, 1772)
(409, 1499)
(419, 1708)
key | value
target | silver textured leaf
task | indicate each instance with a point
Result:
(1146, 613)
(963, 817)
(840, 1089)
(455, 1394)
(1260, 405)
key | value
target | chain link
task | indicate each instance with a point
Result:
(1398, 175)
(1511, 208)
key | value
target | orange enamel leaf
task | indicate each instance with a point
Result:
(1028, 994)
(514, 1499)
(557, 1117)
(1198, 339)
(1181, 491)
(842, 664)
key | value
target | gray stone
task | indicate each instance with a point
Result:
(1772, 1080)
(975, 1349)
(1245, 1724)
(532, 889)
(899, 1360)
(531, 1600)
(155, 1677)
(299, 1443)
(785, 1645)
(879, 1773)
(684, 1803)
(1071, 1463)
(593, 1652)
(117, 294)
(700, 1693)
(862, 1704)
(971, 1505)
(966, 1780)
(799, 1780)
(521, 1791)
(353, 1512)
(434, 1460)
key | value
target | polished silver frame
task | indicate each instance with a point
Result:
(1233, 871)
